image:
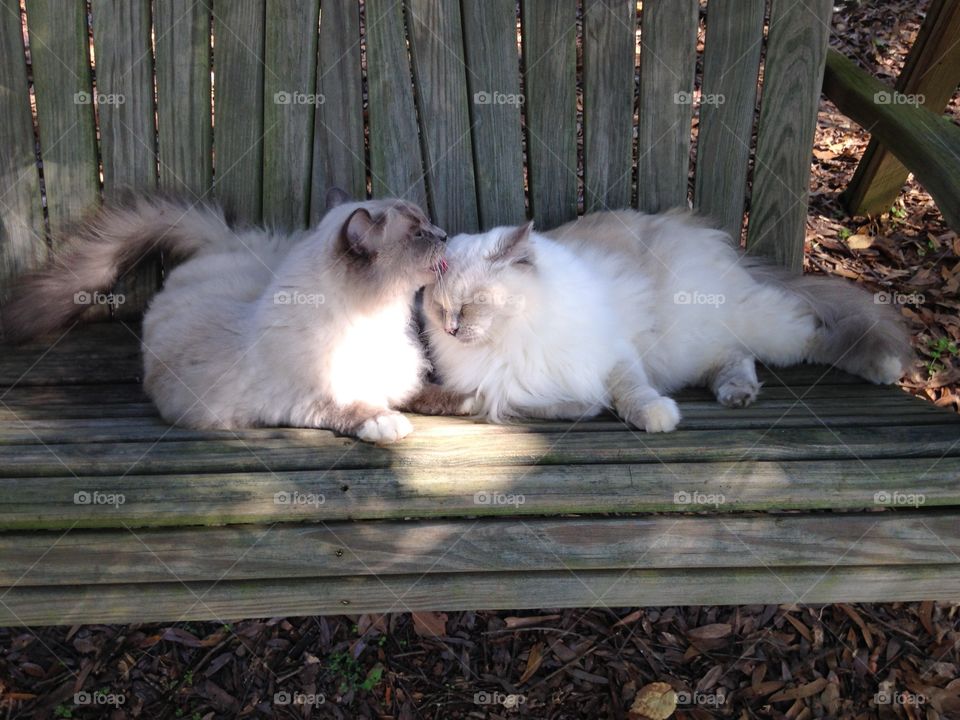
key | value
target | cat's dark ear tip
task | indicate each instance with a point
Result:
(337, 196)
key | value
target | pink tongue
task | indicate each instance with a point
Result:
(441, 265)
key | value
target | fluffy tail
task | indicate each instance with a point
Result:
(860, 332)
(112, 242)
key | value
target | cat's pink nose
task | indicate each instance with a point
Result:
(453, 330)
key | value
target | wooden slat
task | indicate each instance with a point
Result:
(550, 66)
(927, 143)
(139, 422)
(396, 162)
(338, 124)
(289, 106)
(667, 63)
(931, 72)
(490, 42)
(227, 600)
(124, 65)
(731, 61)
(436, 46)
(183, 95)
(416, 454)
(238, 58)
(61, 78)
(609, 54)
(22, 243)
(790, 98)
(234, 497)
(330, 550)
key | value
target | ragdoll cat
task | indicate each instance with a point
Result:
(253, 328)
(620, 309)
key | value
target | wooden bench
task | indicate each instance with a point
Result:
(825, 490)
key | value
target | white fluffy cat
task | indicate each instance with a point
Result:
(312, 329)
(620, 309)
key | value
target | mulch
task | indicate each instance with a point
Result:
(891, 660)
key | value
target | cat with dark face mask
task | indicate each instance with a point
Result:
(620, 309)
(311, 329)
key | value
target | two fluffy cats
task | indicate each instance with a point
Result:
(615, 310)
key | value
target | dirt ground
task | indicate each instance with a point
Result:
(842, 661)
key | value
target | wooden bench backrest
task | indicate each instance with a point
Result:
(468, 108)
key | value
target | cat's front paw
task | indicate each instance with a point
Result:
(660, 415)
(386, 428)
(737, 393)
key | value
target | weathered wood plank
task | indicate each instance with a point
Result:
(238, 59)
(338, 125)
(22, 242)
(439, 72)
(139, 422)
(928, 144)
(396, 162)
(433, 492)
(930, 74)
(417, 453)
(124, 66)
(493, 78)
(436, 47)
(609, 54)
(731, 61)
(184, 129)
(667, 63)
(550, 67)
(249, 552)
(792, 77)
(227, 600)
(289, 105)
(63, 85)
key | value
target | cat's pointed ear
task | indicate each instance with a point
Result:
(356, 236)
(337, 196)
(515, 246)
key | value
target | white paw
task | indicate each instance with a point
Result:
(386, 428)
(737, 393)
(661, 415)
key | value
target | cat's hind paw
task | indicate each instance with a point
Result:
(738, 393)
(386, 428)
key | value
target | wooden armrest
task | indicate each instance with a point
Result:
(926, 143)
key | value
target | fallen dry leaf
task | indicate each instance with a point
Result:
(430, 624)
(655, 701)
